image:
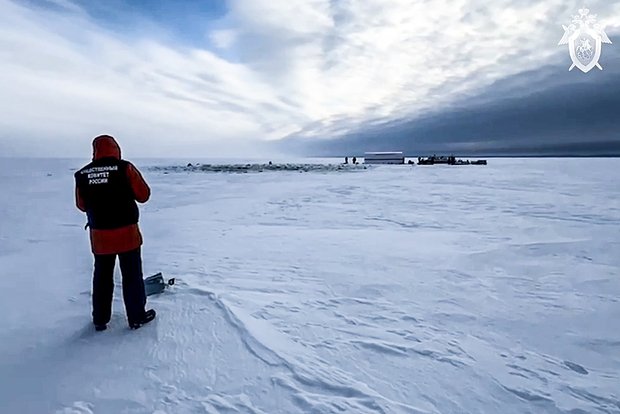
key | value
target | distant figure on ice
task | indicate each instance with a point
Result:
(346, 160)
(107, 190)
(354, 160)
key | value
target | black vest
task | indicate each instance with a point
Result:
(105, 188)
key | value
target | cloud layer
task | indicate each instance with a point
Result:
(267, 69)
(551, 113)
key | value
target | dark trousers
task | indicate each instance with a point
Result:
(133, 286)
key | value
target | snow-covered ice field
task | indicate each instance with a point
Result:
(395, 289)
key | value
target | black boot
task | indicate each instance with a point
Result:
(149, 315)
(100, 328)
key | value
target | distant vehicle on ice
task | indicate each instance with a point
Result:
(450, 160)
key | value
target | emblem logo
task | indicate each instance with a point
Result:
(584, 38)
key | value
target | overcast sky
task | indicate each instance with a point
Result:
(221, 77)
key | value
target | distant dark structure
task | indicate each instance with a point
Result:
(450, 160)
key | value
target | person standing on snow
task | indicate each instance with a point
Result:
(107, 190)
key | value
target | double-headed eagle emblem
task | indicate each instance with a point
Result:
(584, 38)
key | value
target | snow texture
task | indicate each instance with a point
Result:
(391, 289)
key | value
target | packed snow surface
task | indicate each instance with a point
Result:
(387, 289)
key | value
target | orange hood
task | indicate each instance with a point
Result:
(105, 146)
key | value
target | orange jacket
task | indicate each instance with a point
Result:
(122, 239)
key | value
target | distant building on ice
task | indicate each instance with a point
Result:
(395, 157)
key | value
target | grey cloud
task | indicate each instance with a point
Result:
(546, 111)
